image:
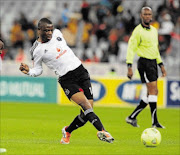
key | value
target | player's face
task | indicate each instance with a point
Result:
(46, 32)
(146, 16)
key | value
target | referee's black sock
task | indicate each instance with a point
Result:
(153, 106)
(76, 123)
(143, 103)
(93, 118)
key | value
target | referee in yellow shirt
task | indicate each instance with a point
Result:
(144, 42)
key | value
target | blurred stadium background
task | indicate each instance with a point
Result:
(98, 32)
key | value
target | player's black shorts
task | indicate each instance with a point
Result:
(76, 81)
(148, 70)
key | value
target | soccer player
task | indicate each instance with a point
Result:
(1, 46)
(144, 42)
(51, 49)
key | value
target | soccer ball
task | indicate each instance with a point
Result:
(151, 137)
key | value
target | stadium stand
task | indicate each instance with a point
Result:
(96, 26)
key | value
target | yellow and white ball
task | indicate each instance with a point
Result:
(151, 137)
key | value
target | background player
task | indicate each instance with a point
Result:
(51, 48)
(144, 42)
(1, 48)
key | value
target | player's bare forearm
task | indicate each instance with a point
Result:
(163, 70)
(130, 73)
(24, 68)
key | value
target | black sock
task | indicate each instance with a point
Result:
(138, 109)
(76, 123)
(153, 107)
(93, 118)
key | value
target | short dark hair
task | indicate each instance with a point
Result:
(43, 21)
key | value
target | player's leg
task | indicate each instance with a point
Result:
(143, 103)
(70, 87)
(79, 121)
(131, 119)
(80, 91)
(151, 83)
(85, 87)
(152, 99)
(82, 101)
(89, 115)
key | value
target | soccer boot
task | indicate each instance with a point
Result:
(105, 136)
(66, 136)
(131, 121)
(157, 125)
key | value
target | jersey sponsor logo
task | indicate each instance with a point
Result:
(59, 38)
(131, 91)
(58, 50)
(59, 55)
(98, 90)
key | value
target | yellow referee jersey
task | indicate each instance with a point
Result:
(144, 42)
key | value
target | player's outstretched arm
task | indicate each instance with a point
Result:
(24, 68)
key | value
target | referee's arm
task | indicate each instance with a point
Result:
(133, 43)
(161, 65)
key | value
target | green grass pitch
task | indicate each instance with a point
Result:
(36, 129)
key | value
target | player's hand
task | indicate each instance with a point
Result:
(130, 73)
(163, 71)
(24, 68)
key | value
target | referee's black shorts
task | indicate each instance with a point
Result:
(76, 81)
(148, 70)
